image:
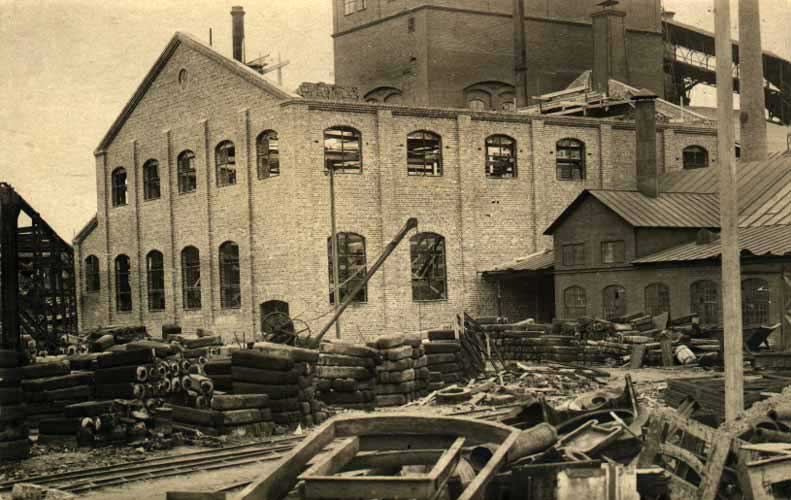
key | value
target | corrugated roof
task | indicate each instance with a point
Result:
(759, 241)
(539, 261)
(764, 189)
(666, 210)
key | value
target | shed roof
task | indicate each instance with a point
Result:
(539, 261)
(772, 241)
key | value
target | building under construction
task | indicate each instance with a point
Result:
(37, 293)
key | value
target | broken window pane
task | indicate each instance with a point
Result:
(705, 301)
(187, 174)
(155, 273)
(151, 180)
(614, 302)
(575, 302)
(123, 287)
(225, 161)
(755, 302)
(267, 154)
(429, 273)
(424, 154)
(351, 266)
(190, 278)
(342, 150)
(500, 156)
(570, 160)
(230, 276)
(657, 299)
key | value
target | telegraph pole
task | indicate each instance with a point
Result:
(729, 214)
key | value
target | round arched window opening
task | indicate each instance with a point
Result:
(183, 77)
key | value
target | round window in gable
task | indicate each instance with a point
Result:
(183, 77)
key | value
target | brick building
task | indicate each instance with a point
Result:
(213, 202)
(459, 53)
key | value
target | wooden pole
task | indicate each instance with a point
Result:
(520, 54)
(336, 278)
(729, 215)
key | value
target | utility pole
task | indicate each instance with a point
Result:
(729, 215)
(751, 83)
(520, 54)
(336, 279)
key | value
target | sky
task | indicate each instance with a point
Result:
(69, 67)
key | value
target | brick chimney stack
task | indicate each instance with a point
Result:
(609, 48)
(237, 30)
(645, 124)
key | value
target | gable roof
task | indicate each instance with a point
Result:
(669, 210)
(179, 38)
(86, 230)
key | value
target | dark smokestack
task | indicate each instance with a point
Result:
(237, 29)
(609, 48)
(645, 124)
(520, 54)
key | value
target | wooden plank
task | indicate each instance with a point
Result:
(420, 423)
(638, 353)
(477, 487)
(385, 459)
(189, 495)
(397, 488)
(335, 461)
(446, 464)
(277, 482)
(388, 442)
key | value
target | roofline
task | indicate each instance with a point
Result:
(191, 42)
(92, 224)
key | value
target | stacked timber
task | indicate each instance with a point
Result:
(50, 387)
(444, 362)
(396, 377)
(346, 376)
(218, 369)
(197, 347)
(422, 372)
(14, 442)
(237, 414)
(286, 375)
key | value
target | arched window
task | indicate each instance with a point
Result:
(657, 299)
(225, 163)
(755, 302)
(155, 280)
(187, 173)
(123, 287)
(705, 301)
(230, 278)
(267, 154)
(500, 156)
(119, 186)
(351, 266)
(424, 153)
(92, 283)
(190, 278)
(477, 105)
(151, 180)
(570, 159)
(575, 301)
(342, 150)
(614, 301)
(695, 157)
(429, 271)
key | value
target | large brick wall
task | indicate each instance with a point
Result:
(281, 224)
(453, 45)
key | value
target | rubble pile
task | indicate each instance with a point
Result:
(14, 442)
(396, 376)
(346, 375)
(286, 375)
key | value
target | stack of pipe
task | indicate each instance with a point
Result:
(346, 376)
(14, 442)
(243, 415)
(396, 380)
(219, 370)
(444, 362)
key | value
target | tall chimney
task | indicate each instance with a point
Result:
(609, 48)
(645, 137)
(237, 29)
(751, 82)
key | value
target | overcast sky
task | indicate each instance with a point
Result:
(69, 66)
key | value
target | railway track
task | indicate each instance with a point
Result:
(95, 478)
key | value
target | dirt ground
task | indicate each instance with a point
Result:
(649, 382)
